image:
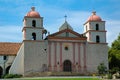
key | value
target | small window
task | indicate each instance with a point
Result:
(33, 36)
(34, 23)
(97, 26)
(97, 39)
(67, 34)
(66, 48)
(4, 57)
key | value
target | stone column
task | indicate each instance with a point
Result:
(79, 59)
(61, 65)
(84, 47)
(74, 68)
(49, 56)
(55, 62)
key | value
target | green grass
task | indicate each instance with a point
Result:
(62, 79)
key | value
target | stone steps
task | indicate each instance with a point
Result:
(38, 74)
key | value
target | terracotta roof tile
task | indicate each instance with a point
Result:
(7, 48)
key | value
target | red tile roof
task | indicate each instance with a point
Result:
(7, 48)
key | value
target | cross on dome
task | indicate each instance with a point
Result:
(65, 17)
(94, 17)
(33, 8)
(65, 25)
(94, 13)
(32, 13)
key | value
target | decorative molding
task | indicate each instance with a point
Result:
(95, 31)
(97, 43)
(68, 38)
(66, 30)
(33, 40)
(92, 21)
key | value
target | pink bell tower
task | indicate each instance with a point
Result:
(33, 26)
(94, 29)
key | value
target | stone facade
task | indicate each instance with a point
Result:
(63, 51)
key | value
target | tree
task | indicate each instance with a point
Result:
(114, 54)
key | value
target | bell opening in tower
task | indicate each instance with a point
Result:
(34, 23)
(33, 36)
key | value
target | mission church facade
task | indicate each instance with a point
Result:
(63, 51)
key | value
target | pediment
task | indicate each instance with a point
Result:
(67, 33)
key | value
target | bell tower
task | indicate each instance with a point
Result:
(33, 26)
(94, 29)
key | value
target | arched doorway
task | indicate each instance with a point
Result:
(7, 69)
(67, 66)
(1, 71)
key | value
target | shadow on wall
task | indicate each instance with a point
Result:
(7, 69)
(1, 71)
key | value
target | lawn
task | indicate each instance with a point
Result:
(61, 79)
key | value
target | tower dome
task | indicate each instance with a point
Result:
(94, 17)
(33, 13)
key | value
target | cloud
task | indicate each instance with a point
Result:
(10, 34)
(113, 30)
(77, 18)
(53, 18)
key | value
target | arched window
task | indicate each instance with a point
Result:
(33, 36)
(1, 71)
(97, 39)
(34, 23)
(97, 26)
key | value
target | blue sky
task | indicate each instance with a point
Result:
(12, 13)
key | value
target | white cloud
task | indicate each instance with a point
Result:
(113, 28)
(10, 34)
(53, 19)
(77, 18)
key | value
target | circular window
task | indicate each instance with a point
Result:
(66, 48)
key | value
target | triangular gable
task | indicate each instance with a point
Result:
(67, 33)
(65, 26)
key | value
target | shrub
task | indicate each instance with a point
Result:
(109, 76)
(102, 69)
(12, 76)
(114, 70)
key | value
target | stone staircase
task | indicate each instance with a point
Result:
(38, 74)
